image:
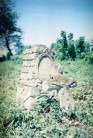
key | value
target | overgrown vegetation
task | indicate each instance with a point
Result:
(47, 120)
(68, 48)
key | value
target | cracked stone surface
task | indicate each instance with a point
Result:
(40, 73)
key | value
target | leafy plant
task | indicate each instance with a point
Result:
(47, 119)
(89, 57)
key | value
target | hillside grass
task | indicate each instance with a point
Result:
(46, 120)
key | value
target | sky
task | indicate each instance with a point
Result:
(43, 20)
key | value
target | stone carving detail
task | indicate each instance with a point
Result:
(39, 74)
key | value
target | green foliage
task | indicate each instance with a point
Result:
(64, 44)
(87, 46)
(61, 47)
(66, 48)
(71, 47)
(9, 32)
(91, 45)
(47, 119)
(52, 46)
(5, 57)
(89, 57)
(58, 48)
(7, 17)
(17, 59)
(2, 58)
(70, 36)
(9, 74)
(71, 50)
(81, 45)
(27, 46)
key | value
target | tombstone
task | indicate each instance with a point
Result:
(38, 74)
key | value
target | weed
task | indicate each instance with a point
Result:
(47, 120)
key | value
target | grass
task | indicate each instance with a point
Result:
(46, 120)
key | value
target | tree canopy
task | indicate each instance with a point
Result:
(9, 31)
(65, 47)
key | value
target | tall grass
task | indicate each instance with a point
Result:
(47, 120)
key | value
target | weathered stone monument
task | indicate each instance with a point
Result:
(40, 73)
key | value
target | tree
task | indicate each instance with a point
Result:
(52, 46)
(80, 47)
(71, 47)
(64, 44)
(81, 44)
(58, 50)
(61, 47)
(91, 45)
(70, 36)
(9, 32)
(87, 46)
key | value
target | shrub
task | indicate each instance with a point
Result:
(17, 59)
(89, 57)
(2, 58)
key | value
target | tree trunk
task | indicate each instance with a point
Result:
(7, 46)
